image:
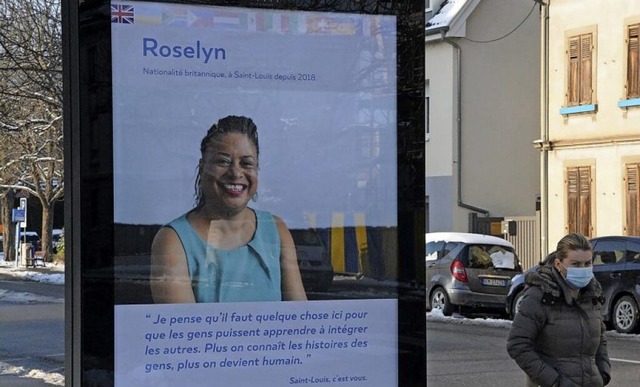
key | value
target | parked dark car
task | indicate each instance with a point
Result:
(466, 270)
(314, 260)
(514, 296)
(616, 265)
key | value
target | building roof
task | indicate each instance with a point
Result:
(451, 17)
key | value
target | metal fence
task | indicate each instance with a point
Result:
(527, 240)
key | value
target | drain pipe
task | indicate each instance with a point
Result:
(544, 156)
(461, 203)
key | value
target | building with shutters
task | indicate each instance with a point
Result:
(590, 140)
(483, 113)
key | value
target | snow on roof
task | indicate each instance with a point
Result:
(466, 238)
(450, 11)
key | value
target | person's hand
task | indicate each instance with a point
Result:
(606, 378)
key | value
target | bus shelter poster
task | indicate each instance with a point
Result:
(320, 89)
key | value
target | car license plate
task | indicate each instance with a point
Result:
(494, 282)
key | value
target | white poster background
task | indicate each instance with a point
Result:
(343, 343)
(321, 87)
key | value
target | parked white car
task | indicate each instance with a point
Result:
(467, 270)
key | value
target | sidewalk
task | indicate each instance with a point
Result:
(51, 278)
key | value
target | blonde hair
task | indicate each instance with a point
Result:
(571, 242)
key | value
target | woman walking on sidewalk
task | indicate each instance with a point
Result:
(557, 336)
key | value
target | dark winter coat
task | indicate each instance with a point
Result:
(555, 340)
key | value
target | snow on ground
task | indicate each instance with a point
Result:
(437, 316)
(54, 272)
(48, 377)
(54, 275)
(52, 378)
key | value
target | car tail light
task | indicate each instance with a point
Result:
(457, 269)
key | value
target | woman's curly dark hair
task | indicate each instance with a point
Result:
(226, 125)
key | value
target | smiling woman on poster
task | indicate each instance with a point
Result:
(223, 250)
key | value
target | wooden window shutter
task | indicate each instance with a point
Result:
(633, 57)
(574, 66)
(584, 225)
(633, 206)
(572, 199)
(585, 69)
(579, 200)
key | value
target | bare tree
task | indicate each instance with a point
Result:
(7, 198)
(31, 107)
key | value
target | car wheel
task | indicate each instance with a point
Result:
(517, 300)
(440, 300)
(625, 315)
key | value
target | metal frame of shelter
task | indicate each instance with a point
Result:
(91, 284)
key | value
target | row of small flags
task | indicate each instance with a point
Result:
(219, 19)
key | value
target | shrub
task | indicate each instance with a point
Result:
(59, 257)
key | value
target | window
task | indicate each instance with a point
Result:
(449, 247)
(428, 6)
(633, 58)
(609, 252)
(607, 257)
(579, 200)
(579, 90)
(426, 211)
(433, 249)
(426, 109)
(633, 253)
(632, 226)
(488, 256)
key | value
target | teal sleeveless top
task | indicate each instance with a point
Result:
(247, 273)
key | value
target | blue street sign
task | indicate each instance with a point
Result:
(18, 215)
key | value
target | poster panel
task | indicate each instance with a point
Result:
(320, 89)
(347, 343)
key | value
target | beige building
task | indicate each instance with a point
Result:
(590, 140)
(483, 111)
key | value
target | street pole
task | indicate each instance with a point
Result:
(17, 241)
(19, 216)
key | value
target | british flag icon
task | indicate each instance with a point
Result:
(122, 13)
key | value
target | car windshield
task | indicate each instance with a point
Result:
(486, 256)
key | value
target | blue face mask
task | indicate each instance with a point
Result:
(578, 277)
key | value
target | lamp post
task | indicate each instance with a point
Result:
(18, 215)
